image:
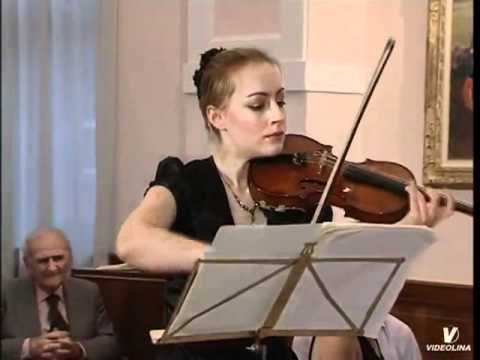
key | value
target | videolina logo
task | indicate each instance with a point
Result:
(451, 334)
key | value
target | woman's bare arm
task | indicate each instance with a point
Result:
(145, 241)
(336, 347)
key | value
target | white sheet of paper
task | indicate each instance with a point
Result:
(353, 285)
(263, 241)
(216, 282)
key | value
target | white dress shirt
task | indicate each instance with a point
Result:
(396, 341)
(42, 305)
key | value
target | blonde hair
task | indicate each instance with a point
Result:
(213, 78)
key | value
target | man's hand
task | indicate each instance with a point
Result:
(44, 346)
(56, 345)
(68, 349)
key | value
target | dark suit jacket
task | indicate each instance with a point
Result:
(89, 323)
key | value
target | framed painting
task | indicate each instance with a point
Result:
(448, 147)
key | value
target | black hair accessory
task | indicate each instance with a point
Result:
(205, 59)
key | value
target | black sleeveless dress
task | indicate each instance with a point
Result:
(202, 207)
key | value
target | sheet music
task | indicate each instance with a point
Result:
(263, 241)
(361, 269)
(287, 241)
(216, 282)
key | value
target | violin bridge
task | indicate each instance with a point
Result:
(322, 161)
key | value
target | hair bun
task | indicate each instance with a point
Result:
(205, 59)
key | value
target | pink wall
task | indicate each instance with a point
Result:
(230, 17)
(393, 125)
(151, 45)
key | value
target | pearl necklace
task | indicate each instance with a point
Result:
(251, 210)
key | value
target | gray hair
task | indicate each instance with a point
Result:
(41, 231)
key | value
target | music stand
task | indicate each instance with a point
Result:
(295, 280)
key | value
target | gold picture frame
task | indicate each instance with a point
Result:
(448, 146)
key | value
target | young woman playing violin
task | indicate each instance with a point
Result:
(242, 102)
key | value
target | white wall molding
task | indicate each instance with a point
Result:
(288, 43)
(338, 78)
(106, 129)
(308, 77)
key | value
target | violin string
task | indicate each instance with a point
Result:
(330, 160)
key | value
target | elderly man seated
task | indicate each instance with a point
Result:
(49, 315)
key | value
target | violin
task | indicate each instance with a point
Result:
(370, 191)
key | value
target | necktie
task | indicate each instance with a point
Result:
(57, 322)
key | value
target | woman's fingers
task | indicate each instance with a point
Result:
(428, 210)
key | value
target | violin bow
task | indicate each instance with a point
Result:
(366, 98)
